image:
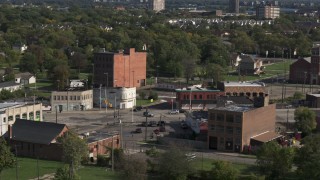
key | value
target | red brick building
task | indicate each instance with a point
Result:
(250, 89)
(36, 139)
(234, 127)
(122, 69)
(196, 98)
(100, 143)
(300, 71)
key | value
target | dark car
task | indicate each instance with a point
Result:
(147, 114)
(161, 123)
(138, 130)
(152, 123)
(138, 108)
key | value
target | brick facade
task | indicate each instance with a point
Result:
(300, 71)
(230, 129)
(124, 69)
(101, 146)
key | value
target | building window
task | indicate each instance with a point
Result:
(10, 118)
(54, 97)
(66, 97)
(241, 94)
(238, 119)
(238, 130)
(62, 98)
(212, 127)
(31, 116)
(200, 96)
(221, 141)
(208, 97)
(229, 118)
(220, 129)
(71, 98)
(17, 116)
(74, 97)
(230, 130)
(58, 98)
(78, 98)
(220, 117)
(195, 96)
(212, 116)
(4, 119)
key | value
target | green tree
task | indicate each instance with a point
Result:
(6, 156)
(28, 63)
(298, 95)
(214, 72)
(61, 75)
(74, 150)
(305, 120)
(134, 168)
(308, 158)
(174, 165)
(274, 161)
(223, 171)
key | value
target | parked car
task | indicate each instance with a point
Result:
(138, 108)
(161, 123)
(152, 123)
(162, 129)
(147, 114)
(138, 130)
(175, 111)
(184, 125)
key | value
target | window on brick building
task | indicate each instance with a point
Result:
(220, 117)
(230, 118)
(237, 119)
(238, 130)
(212, 116)
(195, 96)
(221, 141)
(208, 97)
(200, 96)
(220, 129)
(241, 94)
(212, 127)
(229, 130)
(248, 94)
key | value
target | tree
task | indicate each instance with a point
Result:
(214, 72)
(189, 68)
(174, 165)
(298, 95)
(28, 63)
(305, 120)
(61, 75)
(79, 60)
(74, 151)
(275, 161)
(308, 158)
(223, 171)
(6, 156)
(134, 168)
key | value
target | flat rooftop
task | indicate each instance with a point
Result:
(10, 104)
(315, 95)
(97, 136)
(235, 108)
(246, 84)
(197, 88)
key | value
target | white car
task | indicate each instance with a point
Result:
(175, 111)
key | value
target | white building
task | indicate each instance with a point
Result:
(72, 99)
(124, 98)
(9, 112)
(25, 78)
(10, 86)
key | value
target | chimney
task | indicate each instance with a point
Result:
(10, 131)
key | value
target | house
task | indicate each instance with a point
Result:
(25, 78)
(10, 112)
(122, 69)
(36, 139)
(234, 128)
(21, 48)
(249, 65)
(10, 86)
(300, 70)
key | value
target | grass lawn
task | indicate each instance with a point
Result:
(141, 102)
(206, 164)
(27, 169)
(270, 70)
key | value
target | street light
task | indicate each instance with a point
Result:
(105, 93)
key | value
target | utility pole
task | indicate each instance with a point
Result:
(100, 98)
(146, 126)
(105, 94)
(56, 114)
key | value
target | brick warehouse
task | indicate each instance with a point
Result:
(122, 69)
(204, 98)
(232, 128)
